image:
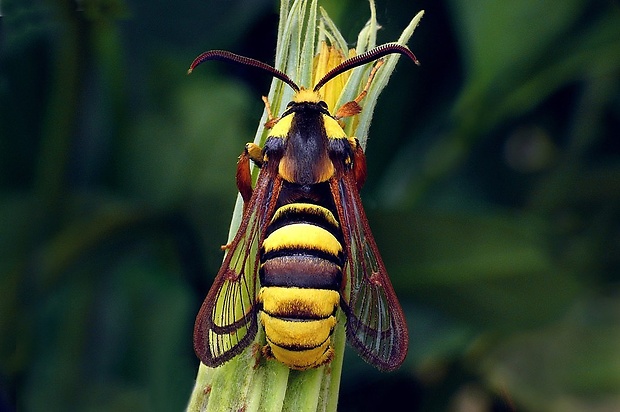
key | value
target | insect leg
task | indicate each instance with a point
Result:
(359, 163)
(255, 152)
(352, 108)
(371, 76)
(272, 120)
(244, 177)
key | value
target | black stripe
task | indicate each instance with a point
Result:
(293, 216)
(297, 251)
(318, 194)
(303, 271)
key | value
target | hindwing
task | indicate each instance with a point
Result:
(376, 325)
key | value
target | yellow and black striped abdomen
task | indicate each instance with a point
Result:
(301, 274)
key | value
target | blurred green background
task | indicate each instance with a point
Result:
(493, 193)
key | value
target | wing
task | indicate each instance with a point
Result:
(227, 322)
(376, 325)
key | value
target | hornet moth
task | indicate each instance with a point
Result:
(303, 241)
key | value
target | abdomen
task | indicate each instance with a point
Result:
(301, 273)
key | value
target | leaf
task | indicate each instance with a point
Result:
(492, 33)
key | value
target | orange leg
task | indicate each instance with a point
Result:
(271, 119)
(244, 177)
(352, 108)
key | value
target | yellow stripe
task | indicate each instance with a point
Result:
(305, 334)
(303, 236)
(319, 302)
(308, 208)
(282, 127)
(333, 129)
(305, 359)
(306, 95)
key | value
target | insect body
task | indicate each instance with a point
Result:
(303, 243)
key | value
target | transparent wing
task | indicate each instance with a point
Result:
(227, 322)
(376, 325)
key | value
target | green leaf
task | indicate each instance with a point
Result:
(491, 34)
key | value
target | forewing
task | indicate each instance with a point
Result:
(227, 321)
(376, 325)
